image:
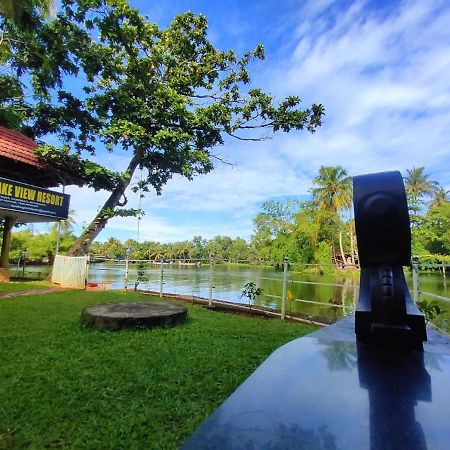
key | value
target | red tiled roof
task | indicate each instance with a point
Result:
(16, 146)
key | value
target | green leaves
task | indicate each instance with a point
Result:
(103, 76)
(430, 309)
(251, 291)
(167, 91)
(88, 172)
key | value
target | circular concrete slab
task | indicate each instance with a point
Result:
(117, 316)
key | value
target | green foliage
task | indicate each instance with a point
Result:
(418, 185)
(430, 309)
(40, 246)
(431, 233)
(251, 292)
(224, 248)
(129, 389)
(303, 231)
(167, 96)
(142, 275)
(273, 227)
(88, 172)
(26, 12)
(323, 255)
(122, 212)
(332, 189)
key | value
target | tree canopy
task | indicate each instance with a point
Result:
(102, 75)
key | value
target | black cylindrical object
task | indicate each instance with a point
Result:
(381, 219)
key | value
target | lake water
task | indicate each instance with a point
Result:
(228, 281)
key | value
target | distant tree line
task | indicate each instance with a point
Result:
(221, 248)
(317, 231)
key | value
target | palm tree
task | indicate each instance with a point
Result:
(19, 11)
(333, 188)
(440, 197)
(333, 192)
(418, 185)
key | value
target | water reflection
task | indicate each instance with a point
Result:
(395, 382)
(339, 355)
(254, 434)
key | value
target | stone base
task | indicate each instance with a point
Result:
(116, 316)
(5, 275)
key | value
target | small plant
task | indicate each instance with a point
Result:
(251, 292)
(142, 275)
(431, 310)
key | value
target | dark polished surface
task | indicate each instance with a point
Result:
(325, 391)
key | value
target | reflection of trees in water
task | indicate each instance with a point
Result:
(339, 355)
(292, 436)
(282, 436)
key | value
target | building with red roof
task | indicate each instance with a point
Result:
(19, 163)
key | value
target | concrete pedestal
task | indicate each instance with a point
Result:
(327, 392)
(117, 316)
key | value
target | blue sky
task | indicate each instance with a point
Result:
(382, 70)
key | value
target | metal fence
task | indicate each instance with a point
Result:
(417, 292)
(285, 291)
(131, 266)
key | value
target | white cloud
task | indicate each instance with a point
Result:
(384, 82)
(382, 73)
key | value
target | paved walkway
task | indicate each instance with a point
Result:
(30, 292)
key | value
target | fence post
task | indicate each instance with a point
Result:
(18, 264)
(283, 295)
(127, 267)
(211, 279)
(416, 286)
(162, 278)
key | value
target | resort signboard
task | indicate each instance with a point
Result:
(24, 199)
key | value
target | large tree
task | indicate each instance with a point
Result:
(103, 76)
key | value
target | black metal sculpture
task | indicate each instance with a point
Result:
(386, 315)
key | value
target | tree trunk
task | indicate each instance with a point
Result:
(82, 244)
(6, 243)
(352, 237)
(352, 244)
(342, 249)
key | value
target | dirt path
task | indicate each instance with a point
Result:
(30, 292)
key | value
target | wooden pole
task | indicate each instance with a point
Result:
(283, 295)
(211, 279)
(161, 283)
(416, 288)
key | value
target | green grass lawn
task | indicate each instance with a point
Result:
(15, 286)
(64, 386)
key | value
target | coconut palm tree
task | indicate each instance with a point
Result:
(440, 197)
(19, 11)
(333, 192)
(332, 189)
(418, 185)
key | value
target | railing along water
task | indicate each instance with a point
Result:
(214, 281)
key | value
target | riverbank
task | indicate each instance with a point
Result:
(64, 385)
